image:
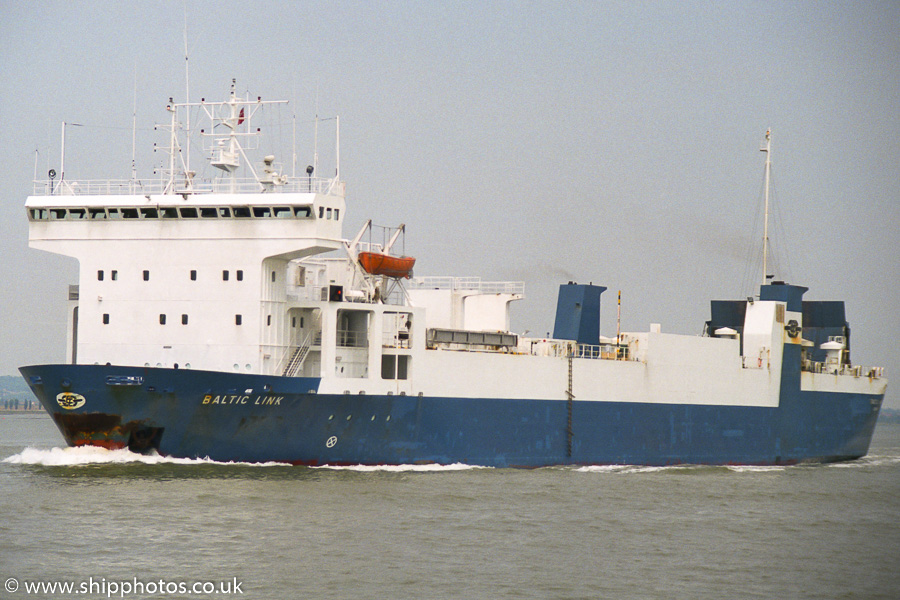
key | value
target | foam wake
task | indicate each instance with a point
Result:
(870, 460)
(628, 469)
(403, 468)
(93, 455)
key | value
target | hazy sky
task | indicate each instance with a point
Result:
(613, 142)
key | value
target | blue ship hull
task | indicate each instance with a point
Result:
(257, 418)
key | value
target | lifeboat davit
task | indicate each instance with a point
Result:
(383, 264)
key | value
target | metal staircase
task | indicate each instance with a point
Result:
(297, 356)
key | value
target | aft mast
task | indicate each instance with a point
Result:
(768, 150)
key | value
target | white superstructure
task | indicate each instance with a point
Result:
(181, 272)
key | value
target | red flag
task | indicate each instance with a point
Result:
(241, 117)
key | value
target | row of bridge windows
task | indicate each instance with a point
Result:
(181, 212)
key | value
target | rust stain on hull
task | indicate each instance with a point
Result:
(105, 430)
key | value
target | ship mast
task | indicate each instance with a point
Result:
(768, 150)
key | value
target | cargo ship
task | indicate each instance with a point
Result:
(229, 317)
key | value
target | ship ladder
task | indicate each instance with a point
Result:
(298, 357)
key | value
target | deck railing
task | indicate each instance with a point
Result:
(130, 187)
(352, 339)
(849, 370)
(467, 283)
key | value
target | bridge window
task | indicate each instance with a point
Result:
(241, 212)
(132, 213)
(188, 213)
(169, 212)
(240, 275)
(224, 275)
(97, 213)
(76, 214)
(208, 212)
(162, 319)
(302, 212)
(149, 213)
(224, 212)
(262, 212)
(99, 275)
(114, 275)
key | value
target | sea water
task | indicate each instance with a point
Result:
(115, 524)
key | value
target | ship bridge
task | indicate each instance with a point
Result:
(184, 271)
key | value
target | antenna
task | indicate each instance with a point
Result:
(173, 143)
(768, 150)
(187, 100)
(293, 130)
(337, 147)
(316, 136)
(134, 130)
(618, 322)
(62, 153)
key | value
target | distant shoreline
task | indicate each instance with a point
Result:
(889, 415)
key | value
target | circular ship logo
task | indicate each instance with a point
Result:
(793, 328)
(70, 401)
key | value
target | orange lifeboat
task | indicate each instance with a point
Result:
(383, 264)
